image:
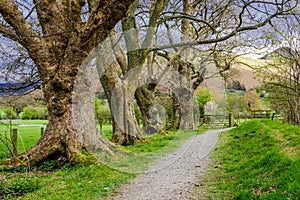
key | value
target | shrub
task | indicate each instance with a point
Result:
(9, 113)
(34, 113)
(103, 113)
(202, 97)
(27, 113)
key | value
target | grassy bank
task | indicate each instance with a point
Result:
(87, 182)
(258, 160)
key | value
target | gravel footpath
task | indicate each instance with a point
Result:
(174, 176)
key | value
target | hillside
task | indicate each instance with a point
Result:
(245, 74)
(16, 88)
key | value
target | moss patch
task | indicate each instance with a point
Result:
(85, 159)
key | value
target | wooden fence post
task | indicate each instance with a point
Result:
(14, 140)
(42, 131)
(231, 120)
(273, 116)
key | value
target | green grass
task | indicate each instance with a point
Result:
(258, 160)
(80, 182)
(29, 132)
(27, 135)
(87, 182)
(27, 122)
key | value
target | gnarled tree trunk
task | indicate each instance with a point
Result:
(121, 101)
(71, 126)
(58, 48)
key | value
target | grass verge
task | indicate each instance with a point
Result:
(258, 160)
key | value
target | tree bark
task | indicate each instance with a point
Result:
(145, 100)
(125, 127)
(58, 50)
(71, 126)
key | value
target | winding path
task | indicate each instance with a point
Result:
(174, 176)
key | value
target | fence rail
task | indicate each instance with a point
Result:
(226, 120)
(229, 120)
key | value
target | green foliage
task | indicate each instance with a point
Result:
(34, 113)
(236, 104)
(202, 97)
(258, 160)
(19, 186)
(103, 113)
(47, 165)
(9, 113)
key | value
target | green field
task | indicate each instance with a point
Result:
(258, 160)
(29, 131)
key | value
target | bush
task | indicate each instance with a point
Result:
(236, 104)
(202, 97)
(27, 113)
(103, 113)
(34, 113)
(9, 113)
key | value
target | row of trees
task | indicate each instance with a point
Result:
(61, 40)
(27, 113)
(241, 105)
(28, 106)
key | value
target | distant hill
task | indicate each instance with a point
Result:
(16, 88)
(245, 66)
(245, 71)
(280, 52)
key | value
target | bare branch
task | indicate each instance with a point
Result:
(9, 33)
(103, 17)
(11, 14)
(189, 17)
(234, 32)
